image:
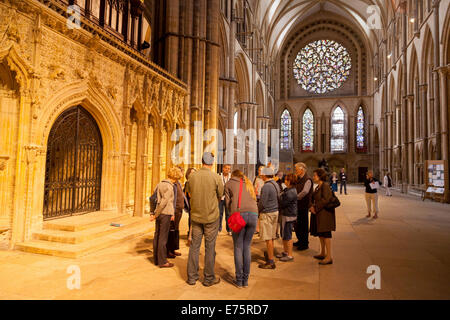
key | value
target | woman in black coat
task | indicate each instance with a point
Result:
(323, 221)
(288, 216)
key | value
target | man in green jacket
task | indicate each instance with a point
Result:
(205, 189)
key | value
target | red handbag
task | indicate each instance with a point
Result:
(235, 221)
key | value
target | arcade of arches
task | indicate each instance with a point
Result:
(87, 112)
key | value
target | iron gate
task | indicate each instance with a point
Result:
(74, 165)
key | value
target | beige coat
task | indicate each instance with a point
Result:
(165, 198)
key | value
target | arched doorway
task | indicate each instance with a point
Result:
(73, 165)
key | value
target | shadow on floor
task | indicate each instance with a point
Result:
(365, 220)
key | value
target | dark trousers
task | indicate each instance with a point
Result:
(301, 228)
(343, 184)
(242, 242)
(162, 226)
(209, 230)
(223, 208)
(173, 242)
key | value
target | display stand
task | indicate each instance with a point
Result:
(436, 180)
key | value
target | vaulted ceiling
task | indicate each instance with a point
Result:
(276, 18)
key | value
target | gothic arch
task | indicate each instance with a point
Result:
(94, 101)
(23, 72)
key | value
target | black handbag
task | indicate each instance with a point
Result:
(334, 202)
(173, 241)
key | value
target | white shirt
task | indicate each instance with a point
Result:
(225, 179)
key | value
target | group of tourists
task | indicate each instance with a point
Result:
(273, 206)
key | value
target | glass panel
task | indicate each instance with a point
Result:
(308, 131)
(338, 130)
(285, 130)
(322, 66)
(360, 142)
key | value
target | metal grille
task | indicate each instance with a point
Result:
(74, 165)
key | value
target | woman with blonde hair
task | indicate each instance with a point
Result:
(240, 196)
(164, 214)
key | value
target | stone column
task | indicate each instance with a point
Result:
(410, 140)
(172, 27)
(424, 90)
(141, 164)
(443, 73)
(436, 85)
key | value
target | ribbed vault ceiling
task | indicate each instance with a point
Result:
(278, 17)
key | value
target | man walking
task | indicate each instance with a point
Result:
(205, 189)
(268, 210)
(225, 176)
(343, 180)
(304, 188)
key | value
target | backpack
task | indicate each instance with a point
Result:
(154, 199)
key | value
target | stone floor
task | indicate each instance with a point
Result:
(410, 242)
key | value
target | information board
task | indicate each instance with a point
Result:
(436, 178)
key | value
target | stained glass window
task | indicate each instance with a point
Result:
(308, 131)
(338, 130)
(322, 66)
(285, 130)
(360, 141)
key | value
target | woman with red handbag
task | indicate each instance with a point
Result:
(240, 200)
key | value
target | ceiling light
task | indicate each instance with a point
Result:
(412, 20)
(389, 55)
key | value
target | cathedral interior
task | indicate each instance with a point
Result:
(93, 91)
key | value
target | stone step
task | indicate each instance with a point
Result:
(74, 237)
(68, 250)
(83, 222)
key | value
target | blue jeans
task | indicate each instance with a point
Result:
(242, 242)
(222, 208)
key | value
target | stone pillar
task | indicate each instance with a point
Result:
(436, 85)
(444, 73)
(172, 26)
(141, 164)
(410, 140)
(424, 90)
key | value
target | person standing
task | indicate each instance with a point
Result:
(334, 182)
(187, 206)
(288, 213)
(323, 220)
(279, 178)
(387, 183)
(164, 214)
(205, 189)
(258, 183)
(304, 187)
(372, 184)
(343, 180)
(225, 176)
(249, 211)
(268, 214)
(173, 242)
